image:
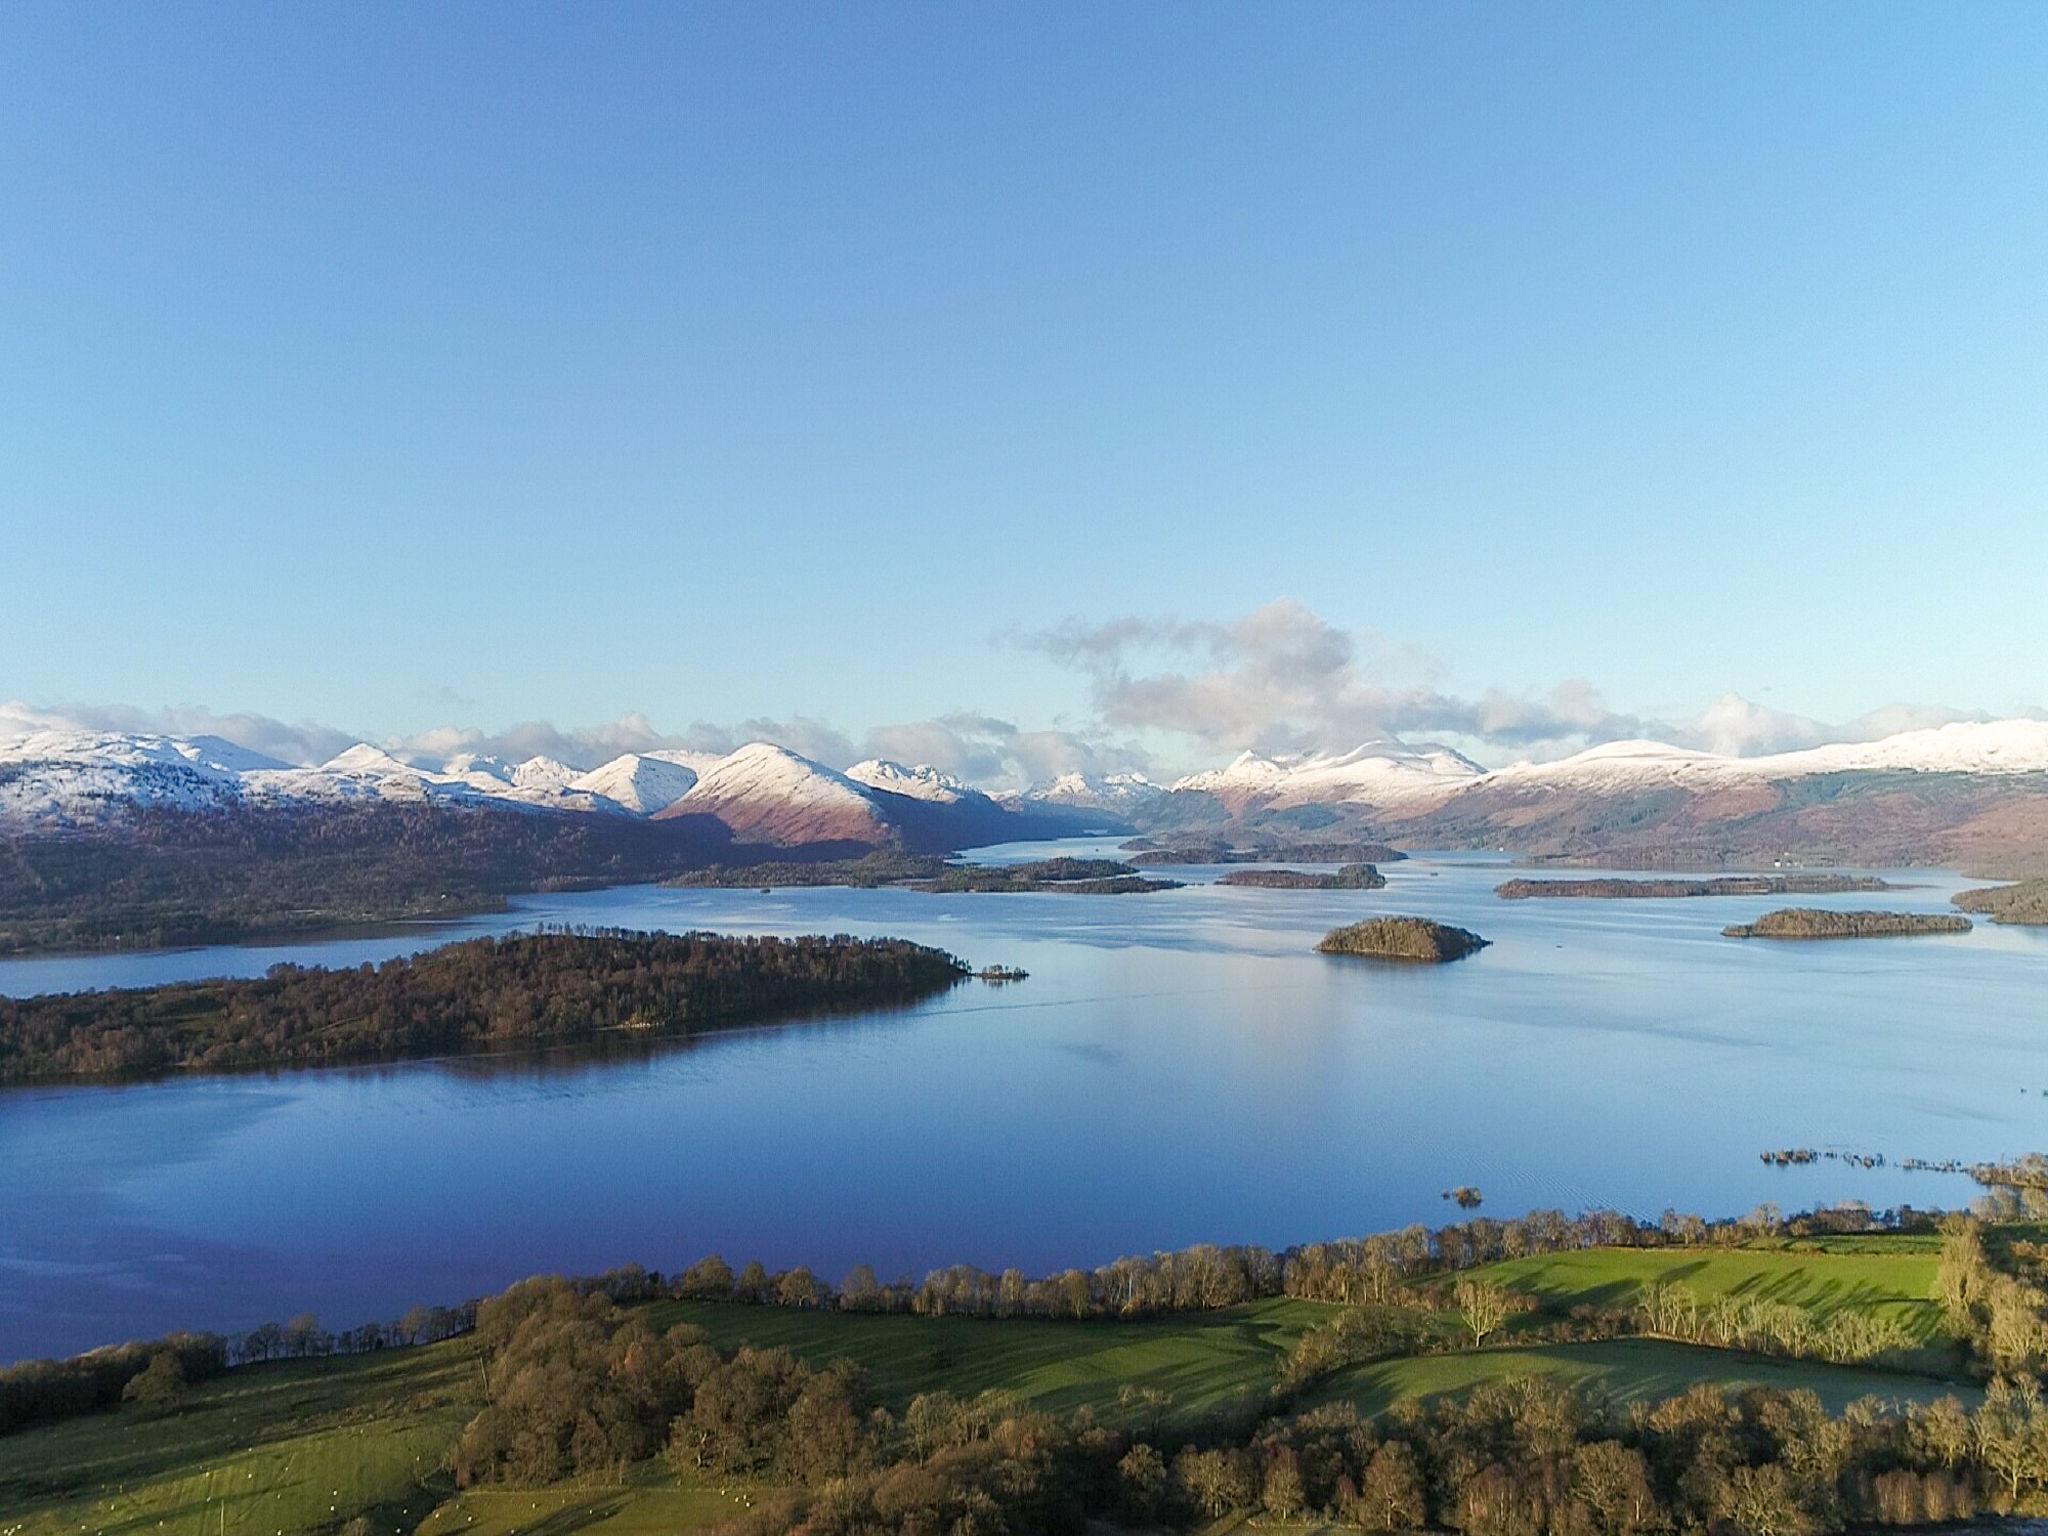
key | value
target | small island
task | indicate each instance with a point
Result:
(1724, 885)
(1145, 851)
(2025, 902)
(1402, 938)
(868, 872)
(1352, 877)
(1078, 877)
(1814, 923)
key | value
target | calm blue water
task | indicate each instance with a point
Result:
(1179, 1068)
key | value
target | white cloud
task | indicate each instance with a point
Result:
(1283, 679)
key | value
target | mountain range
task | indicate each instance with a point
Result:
(67, 780)
(1960, 791)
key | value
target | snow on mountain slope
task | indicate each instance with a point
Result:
(923, 782)
(637, 782)
(1246, 774)
(769, 794)
(1622, 765)
(364, 759)
(543, 773)
(2000, 747)
(1119, 792)
(699, 763)
(1990, 747)
(88, 776)
(204, 754)
(1375, 772)
(766, 793)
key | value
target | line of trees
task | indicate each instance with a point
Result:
(578, 1386)
(1996, 1312)
(1392, 1269)
(522, 991)
(1845, 1337)
(45, 1391)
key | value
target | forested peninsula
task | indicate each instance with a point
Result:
(1817, 923)
(1725, 885)
(484, 995)
(2025, 902)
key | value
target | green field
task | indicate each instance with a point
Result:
(307, 1446)
(1626, 1370)
(292, 1447)
(1208, 1362)
(640, 1508)
(1892, 1277)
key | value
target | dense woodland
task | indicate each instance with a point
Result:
(1352, 877)
(2025, 902)
(1725, 885)
(174, 877)
(1402, 938)
(580, 1382)
(1818, 923)
(486, 994)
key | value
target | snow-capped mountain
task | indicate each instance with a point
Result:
(923, 782)
(1642, 794)
(639, 782)
(762, 793)
(1999, 748)
(1379, 772)
(370, 762)
(1980, 747)
(769, 794)
(1245, 775)
(1123, 794)
(90, 775)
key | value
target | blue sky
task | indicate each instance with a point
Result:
(400, 367)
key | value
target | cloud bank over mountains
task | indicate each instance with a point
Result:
(1164, 695)
(1283, 679)
(979, 748)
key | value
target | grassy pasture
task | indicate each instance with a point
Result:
(1626, 1370)
(1890, 1277)
(295, 1447)
(286, 1449)
(1208, 1361)
(638, 1508)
